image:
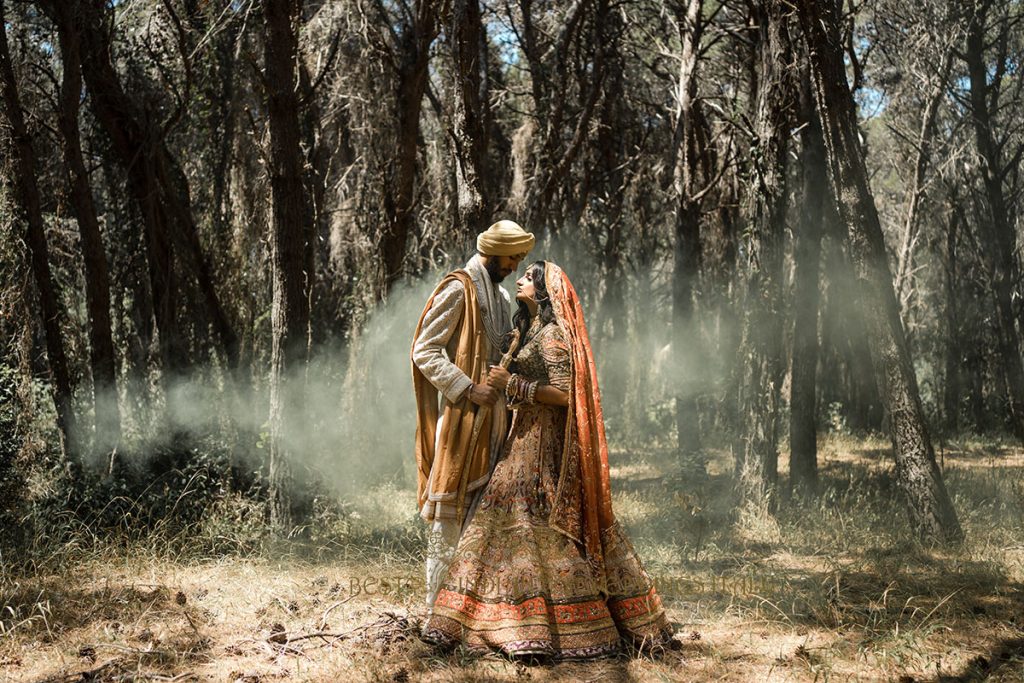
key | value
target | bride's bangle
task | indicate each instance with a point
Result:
(512, 388)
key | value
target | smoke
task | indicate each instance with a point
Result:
(355, 411)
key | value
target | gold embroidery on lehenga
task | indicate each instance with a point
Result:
(516, 583)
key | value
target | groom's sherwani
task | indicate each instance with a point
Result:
(459, 336)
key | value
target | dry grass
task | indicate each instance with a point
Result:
(833, 589)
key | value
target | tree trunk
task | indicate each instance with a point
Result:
(803, 458)
(998, 235)
(290, 310)
(904, 268)
(27, 193)
(228, 44)
(97, 279)
(611, 152)
(157, 183)
(721, 275)
(412, 60)
(469, 124)
(917, 473)
(953, 353)
(762, 364)
(117, 114)
(853, 381)
(315, 163)
(562, 130)
(687, 249)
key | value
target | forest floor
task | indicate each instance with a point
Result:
(835, 589)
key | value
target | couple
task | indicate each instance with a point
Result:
(525, 555)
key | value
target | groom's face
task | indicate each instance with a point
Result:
(500, 267)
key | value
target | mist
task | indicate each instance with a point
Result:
(357, 425)
(355, 430)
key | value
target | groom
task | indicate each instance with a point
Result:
(458, 337)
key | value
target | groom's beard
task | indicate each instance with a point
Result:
(494, 271)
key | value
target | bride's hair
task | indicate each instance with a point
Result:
(521, 318)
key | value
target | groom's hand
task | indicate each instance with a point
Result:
(483, 394)
(498, 377)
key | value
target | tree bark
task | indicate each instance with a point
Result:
(97, 279)
(28, 198)
(762, 365)
(803, 443)
(288, 237)
(917, 473)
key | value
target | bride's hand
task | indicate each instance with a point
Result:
(498, 377)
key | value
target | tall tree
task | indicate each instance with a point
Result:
(687, 248)
(998, 233)
(28, 198)
(917, 473)
(469, 124)
(611, 171)
(123, 122)
(912, 219)
(288, 239)
(566, 53)
(156, 181)
(408, 50)
(97, 278)
(803, 458)
(761, 362)
(953, 351)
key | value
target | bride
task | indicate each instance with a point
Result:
(543, 568)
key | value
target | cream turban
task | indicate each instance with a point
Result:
(504, 238)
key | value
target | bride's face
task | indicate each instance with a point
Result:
(525, 289)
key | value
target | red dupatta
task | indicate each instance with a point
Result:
(582, 508)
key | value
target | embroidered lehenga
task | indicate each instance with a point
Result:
(542, 567)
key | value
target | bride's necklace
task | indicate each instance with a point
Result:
(533, 329)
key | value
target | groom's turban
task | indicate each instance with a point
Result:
(504, 238)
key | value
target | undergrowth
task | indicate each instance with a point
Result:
(834, 585)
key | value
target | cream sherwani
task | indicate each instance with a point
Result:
(432, 354)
